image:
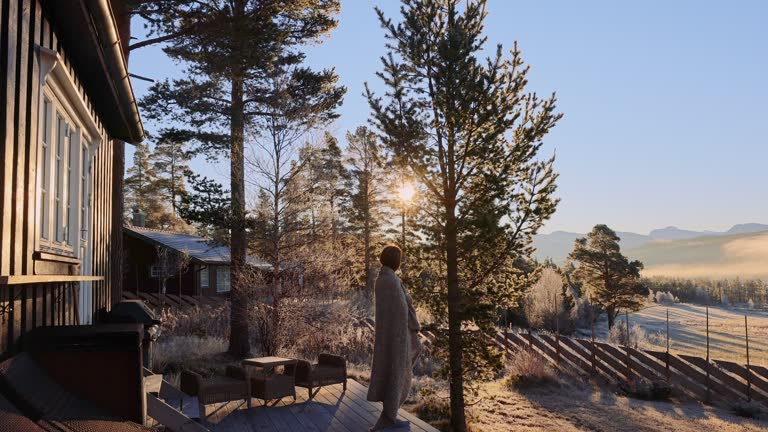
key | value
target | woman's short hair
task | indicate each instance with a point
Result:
(390, 257)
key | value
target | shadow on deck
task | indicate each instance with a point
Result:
(330, 410)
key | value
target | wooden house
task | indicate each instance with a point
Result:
(204, 271)
(68, 111)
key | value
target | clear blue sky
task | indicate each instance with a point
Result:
(666, 121)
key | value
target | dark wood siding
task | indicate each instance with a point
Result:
(139, 256)
(23, 25)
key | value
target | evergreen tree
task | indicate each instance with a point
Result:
(609, 278)
(468, 132)
(142, 193)
(170, 166)
(138, 180)
(326, 178)
(281, 225)
(366, 204)
(233, 52)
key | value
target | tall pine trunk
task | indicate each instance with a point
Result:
(612, 314)
(239, 340)
(458, 420)
(277, 287)
(367, 240)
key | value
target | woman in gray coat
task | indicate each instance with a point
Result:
(396, 345)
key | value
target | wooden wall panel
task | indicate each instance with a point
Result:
(23, 25)
(22, 139)
(7, 152)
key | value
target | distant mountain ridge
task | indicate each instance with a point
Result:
(558, 244)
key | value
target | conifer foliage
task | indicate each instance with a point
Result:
(470, 134)
(367, 180)
(242, 58)
(610, 279)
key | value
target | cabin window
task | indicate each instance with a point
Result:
(222, 279)
(64, 177)
(156, 271)
(204, 280)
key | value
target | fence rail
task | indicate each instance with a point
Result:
(714, 381)
(173, 301)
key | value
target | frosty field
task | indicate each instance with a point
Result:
(687, 331)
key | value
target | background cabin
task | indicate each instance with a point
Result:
(205, 271)
(68, 109)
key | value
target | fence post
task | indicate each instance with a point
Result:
(557, 329)
(530, 337)
(708, 383)
(667, 356)
(749, 374)
(592, 320)
(629, 363)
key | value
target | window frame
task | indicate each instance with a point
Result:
(60, 100)
(156, 271)
(205, 282)
(223, 270)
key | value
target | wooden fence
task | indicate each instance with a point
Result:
(713, 381)
(172, 301)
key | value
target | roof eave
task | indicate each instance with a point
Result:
(90, 35)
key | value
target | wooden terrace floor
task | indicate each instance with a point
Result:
(330, 410)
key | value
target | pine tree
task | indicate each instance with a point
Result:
(609, 278)
(138, 180)
(469, 133)
(170, 165)
(142, 194)
(325, 182)
(366, 204)
(233, 51)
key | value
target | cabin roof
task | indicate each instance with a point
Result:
(199, 249)
(90, 35)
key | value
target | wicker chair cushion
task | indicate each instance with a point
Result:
(12, 420)
(55, 408)
(223, 384)
(322, 373)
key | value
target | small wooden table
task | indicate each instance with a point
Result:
(269, 386)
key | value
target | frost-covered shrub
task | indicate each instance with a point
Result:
(545, 304)
(527, 368)
(725, 300)
(638, 337)
(666, 298)
(702, 296)
(583, 312)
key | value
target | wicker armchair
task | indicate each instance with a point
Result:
(328, 370)
(232, 386)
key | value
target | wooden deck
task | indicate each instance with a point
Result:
(330, 410)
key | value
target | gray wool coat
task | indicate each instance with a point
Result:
(396, 343)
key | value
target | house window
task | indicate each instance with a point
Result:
(204, 280)
(156, 271)
(64, 178)
(222, 279)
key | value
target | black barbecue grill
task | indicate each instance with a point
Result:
(135, 311)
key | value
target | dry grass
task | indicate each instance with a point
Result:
(573, 407)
